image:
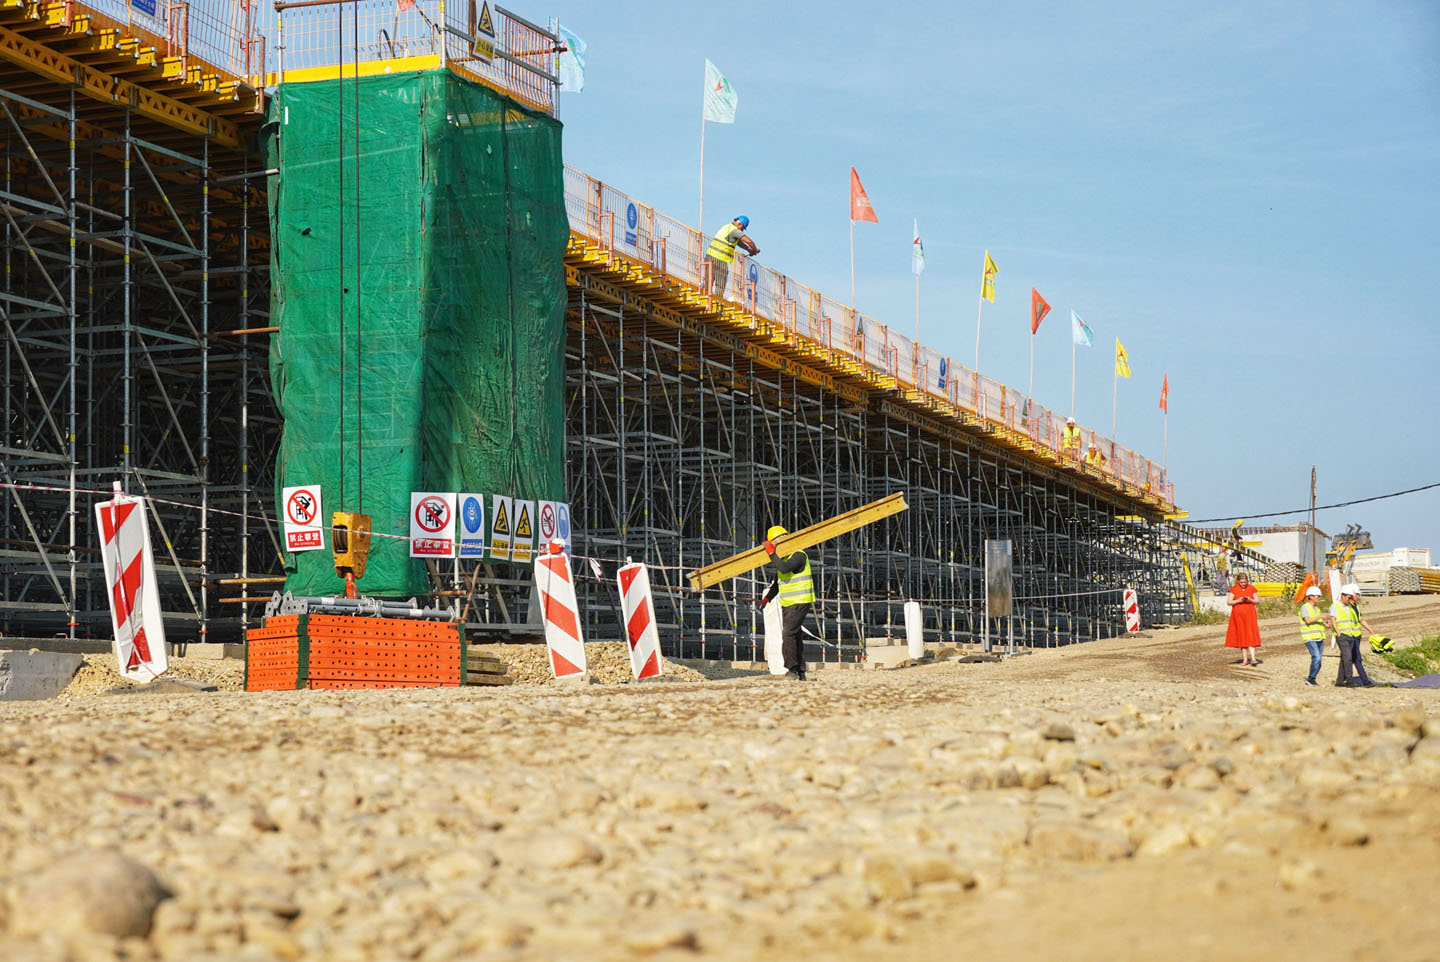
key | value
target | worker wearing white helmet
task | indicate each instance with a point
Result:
(1312, 630)
(1347, 624)
(1070, 438)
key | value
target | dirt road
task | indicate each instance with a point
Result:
(1129, 799)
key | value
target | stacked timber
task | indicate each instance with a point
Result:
(486, 670)
(1414, 580)
(1285, 572)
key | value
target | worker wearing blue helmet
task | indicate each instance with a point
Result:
(721, 253)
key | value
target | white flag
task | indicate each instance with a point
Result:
(917, 253)
(719, 96)
(570, 65)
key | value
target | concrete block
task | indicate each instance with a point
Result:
(35, 675)
(886, 656)
(213, 651)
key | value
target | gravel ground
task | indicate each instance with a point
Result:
(1140, 798)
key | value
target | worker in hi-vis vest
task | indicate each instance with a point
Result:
(1070, 438)
(1312, 630)
(795, 584)
(721, 253)
(1347, 624)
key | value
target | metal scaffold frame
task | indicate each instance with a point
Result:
(682, 450)
(134, 304)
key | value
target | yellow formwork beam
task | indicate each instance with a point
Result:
(753, 558)
(22, 51)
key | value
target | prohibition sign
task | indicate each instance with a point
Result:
(300, 508)
(547, 521)
(432, 514)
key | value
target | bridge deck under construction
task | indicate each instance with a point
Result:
(136, 309)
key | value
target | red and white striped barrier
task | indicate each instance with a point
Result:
(640, 631)
(1132, 611)
(134, 598)
(561, 612)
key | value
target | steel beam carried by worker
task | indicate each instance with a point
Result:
(753, 558)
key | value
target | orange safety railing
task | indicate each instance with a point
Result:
(630, 229)
(217, 36)
(509, 53)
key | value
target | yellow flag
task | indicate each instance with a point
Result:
(1122, 360)
(987, 285)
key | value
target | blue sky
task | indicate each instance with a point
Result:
(1247, 195)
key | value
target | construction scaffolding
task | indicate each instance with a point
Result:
(137, 348)
(701, 447)
(134, 303)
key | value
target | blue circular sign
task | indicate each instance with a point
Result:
(753, 273)
(563, 523)
(632, 216)
(472, 515)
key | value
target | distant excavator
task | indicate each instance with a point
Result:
(1343, 546)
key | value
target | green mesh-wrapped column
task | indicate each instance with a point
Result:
(422, 330)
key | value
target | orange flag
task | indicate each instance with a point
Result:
(1165, 395)
(860, 208)
(1038, 309)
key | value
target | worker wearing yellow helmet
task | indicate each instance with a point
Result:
(795, 583)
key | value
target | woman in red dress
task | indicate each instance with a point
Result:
(1244, 630)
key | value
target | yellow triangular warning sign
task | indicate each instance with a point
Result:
(522, 525)
(502, 521)
(485, 25)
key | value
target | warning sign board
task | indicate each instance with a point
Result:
(484, 45)
(502, 512)
(304, 531)
(522, 542)
(562, 523)
(472, 525)
(432, 524)
(547, 524)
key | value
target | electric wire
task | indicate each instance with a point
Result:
(1318, 507)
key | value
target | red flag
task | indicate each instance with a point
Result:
(405, 4)
(1165, 394)
(1038, 309)
(860, 208)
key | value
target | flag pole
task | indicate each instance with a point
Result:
(701, 225)
(1030, 391)
(1114, 407)
(915, 348)
(979, 313)
(1072, 374)
(852, 264)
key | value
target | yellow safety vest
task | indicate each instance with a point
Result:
(721, 247)
(1309, 632)
(1069, 438)
(797, 588)
(1347, 620)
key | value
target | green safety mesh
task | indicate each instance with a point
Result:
(422, 329)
